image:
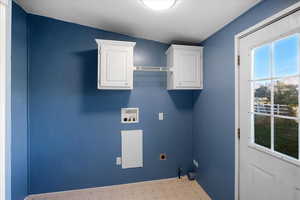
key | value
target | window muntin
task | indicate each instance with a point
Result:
(275, 96)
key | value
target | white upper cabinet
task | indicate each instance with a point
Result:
(185, 67)
(115, 65)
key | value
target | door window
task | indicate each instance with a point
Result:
(275, 96)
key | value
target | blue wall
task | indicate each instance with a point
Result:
(213, 116)
(19, 104)
(75, 128)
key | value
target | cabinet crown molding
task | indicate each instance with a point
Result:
(184, 47)
(101, 42)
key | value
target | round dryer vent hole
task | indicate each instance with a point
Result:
(163, 156)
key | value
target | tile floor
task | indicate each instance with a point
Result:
(166, 189)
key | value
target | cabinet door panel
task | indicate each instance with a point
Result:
(116, 70)
(188, 74)
(116, 66)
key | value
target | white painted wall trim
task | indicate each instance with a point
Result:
(270, 20)
(5, 99)
(6, 2)
(288, 11)
(237, 119)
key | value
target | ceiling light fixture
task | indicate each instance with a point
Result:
(159, 4)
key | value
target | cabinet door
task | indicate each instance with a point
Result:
(116, 67)
(188, 67)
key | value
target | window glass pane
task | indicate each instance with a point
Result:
(286, 96)
(262, 130)
(286, 137)
(286, 56)
(262, 97)
(261, 62)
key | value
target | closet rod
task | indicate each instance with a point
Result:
(151, 69)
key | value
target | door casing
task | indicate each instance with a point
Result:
(286, 12)
(5, 105)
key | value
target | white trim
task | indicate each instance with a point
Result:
(275, 78)
(273, 153)
(2, 107)
(115, 42)
(184, 47)
(271, 65)
(5, 92)
(4, 2)
(239, 36)
(237, 118)
(269, 20)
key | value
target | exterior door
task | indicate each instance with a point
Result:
(269, 112)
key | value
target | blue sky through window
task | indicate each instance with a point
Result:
(286, 58)
(262, 62)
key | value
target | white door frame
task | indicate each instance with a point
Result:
(288, 11)
(5, 100)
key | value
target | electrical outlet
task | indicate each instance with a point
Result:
(161, 116)
(196, 163)
(118, 161)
